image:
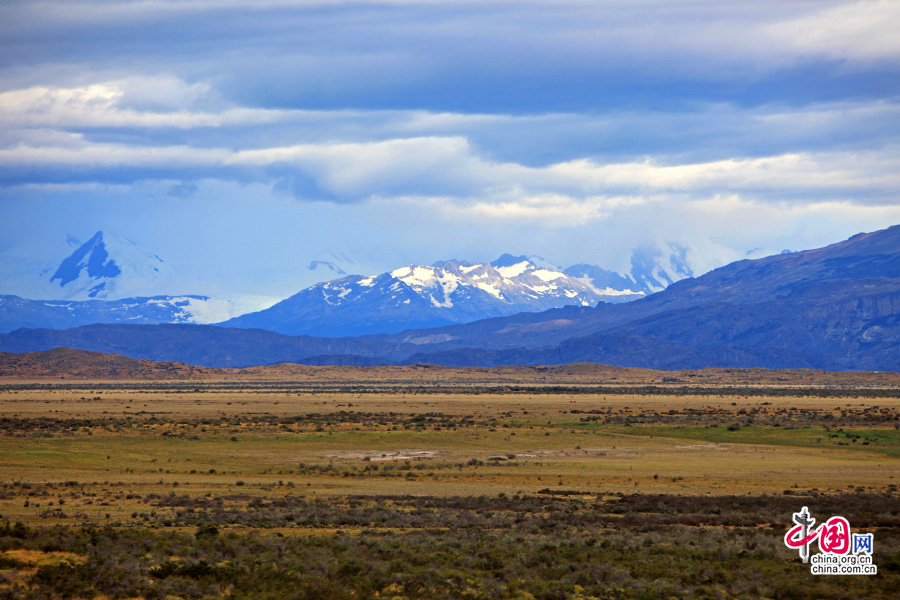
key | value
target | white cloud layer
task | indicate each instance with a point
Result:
(352, 172)
(135, 102)
(863, 30)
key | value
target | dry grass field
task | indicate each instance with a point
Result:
(419, 456)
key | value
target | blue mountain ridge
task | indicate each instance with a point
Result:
(16, 312)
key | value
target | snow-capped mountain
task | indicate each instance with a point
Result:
(108, 279)
(107, 267)
(422, 296)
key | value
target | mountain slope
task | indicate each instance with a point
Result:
(421, 296)
(860, 259)
(835, 308)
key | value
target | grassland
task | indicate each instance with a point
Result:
(426, 483)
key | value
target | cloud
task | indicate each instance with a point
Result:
(195, 114)
(451, 166)
(863, 30)
(550, 210)
(497, 56)
(785, 173)
(160, 101)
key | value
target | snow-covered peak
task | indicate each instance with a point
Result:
(514, 269)
(509, 280)
(106, 267)
(90, 259)
(508, 285)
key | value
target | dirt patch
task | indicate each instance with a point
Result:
(392, 455)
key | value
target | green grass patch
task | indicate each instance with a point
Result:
(880, 441)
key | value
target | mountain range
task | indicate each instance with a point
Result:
(834, 308)
(424, 296)
(91, 286)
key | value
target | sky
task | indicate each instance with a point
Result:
(240, 141)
